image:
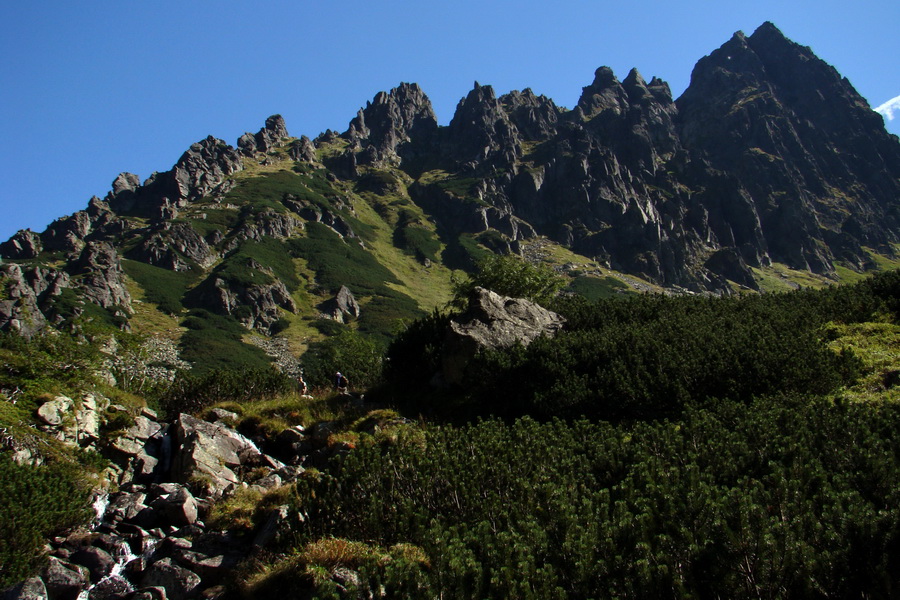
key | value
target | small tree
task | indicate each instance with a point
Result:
(510, 276)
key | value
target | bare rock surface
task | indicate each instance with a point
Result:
(493, 321)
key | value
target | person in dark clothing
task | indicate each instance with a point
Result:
(341, 383)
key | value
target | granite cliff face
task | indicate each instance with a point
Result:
(769, 157)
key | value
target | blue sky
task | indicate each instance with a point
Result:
(91, 89)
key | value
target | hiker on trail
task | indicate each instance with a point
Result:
(302, 384)
(341, 383)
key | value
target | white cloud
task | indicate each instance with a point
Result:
(889, 108)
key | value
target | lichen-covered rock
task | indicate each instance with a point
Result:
(208, 454)
(493, 321)
(343, 307)
(100, 276)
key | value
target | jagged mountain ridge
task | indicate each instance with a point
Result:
(768, 157)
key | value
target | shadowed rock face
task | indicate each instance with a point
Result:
(390, 122)
(769, 154)
(803, 154)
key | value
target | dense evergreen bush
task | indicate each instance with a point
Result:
(35, 502)
(644, 357)
(777, 498)
(192, 392)
(215, 342)
(509, 276)
(358, 357)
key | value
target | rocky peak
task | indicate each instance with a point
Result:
(535, 117)
(266, 138)
(481, 131)
(631, 118)
(790, 131)
(604, 94)
(392, 119)
(660, 90)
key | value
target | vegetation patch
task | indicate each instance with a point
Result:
(597, 288)
(162, 287)
(213, 342)
(265, 191)
(775, 498)
(336, 262)
(242, 266)
(35, 503)
(382, 315)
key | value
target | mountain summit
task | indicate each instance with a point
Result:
(769, 161)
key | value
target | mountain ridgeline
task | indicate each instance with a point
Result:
(769, 159)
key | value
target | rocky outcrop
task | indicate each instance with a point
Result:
(254, 300)
(493, 322)
(318, 214)
(342, 308)
(270, 136)
(100, 276)
(27, 293)
(23, 244)
(303, 150)
(266, 224)
(174, 246)
(200, 171)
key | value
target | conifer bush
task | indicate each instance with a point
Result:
(36, 502)
(785, 497)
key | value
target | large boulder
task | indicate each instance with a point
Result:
(97, 561)
(343, 307)
(64, 580)
(30, 589)
(492, 322)
(209, 454)
(178, 582)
